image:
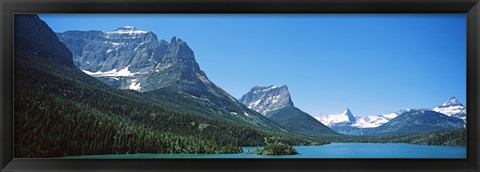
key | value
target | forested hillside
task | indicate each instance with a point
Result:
(62, 111)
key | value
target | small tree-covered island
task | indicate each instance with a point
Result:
(126, 93)
(277, 149)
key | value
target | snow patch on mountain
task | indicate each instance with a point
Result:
(130, 30)
(267, 99)
(373, 121)
(112, 73)
(450, 111)
(135, 86)
(452, 108)
(347, 118)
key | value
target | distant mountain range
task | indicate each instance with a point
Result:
(348, 118)
(416, 121)
(347, 123)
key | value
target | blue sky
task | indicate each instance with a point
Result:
(372, 64)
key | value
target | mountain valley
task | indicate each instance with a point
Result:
(126, 91)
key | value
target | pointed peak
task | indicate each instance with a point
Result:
(453, 101)
(347, 112)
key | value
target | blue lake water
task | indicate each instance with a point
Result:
(334, 150)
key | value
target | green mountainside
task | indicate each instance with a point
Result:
(296, 121)
(61, 111)
(454, 137)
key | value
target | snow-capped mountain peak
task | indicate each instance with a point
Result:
(126, 30)
(452, 107)
(347, 112)
(372, 121)
(350, 116)
(345, 117)
(266, 99)
(452, 102)
(129, 58)
(343, 123)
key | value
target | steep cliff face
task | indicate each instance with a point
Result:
(266, 99)
(34, 36)
(128, 58)
(126, 47)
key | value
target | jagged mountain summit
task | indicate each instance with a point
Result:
(452, 108)
(128, 58)
(346, 117)
(266, 99)
(342, 123)
(125, 49)
(275, 103)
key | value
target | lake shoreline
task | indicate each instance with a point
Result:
(333, 150)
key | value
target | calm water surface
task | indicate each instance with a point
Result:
(334, 150)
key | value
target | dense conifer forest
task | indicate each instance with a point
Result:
(58, 107)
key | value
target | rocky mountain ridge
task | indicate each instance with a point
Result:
(128, 58)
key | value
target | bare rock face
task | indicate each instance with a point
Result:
(128, 58)
(32, 36)
(267, 99)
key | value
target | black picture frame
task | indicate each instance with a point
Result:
(10, 7)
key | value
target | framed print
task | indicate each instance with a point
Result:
(239, 85)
